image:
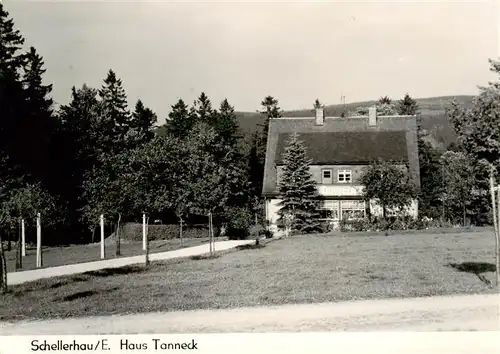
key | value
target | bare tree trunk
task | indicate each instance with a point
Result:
(209, 234)
(495, 223)
(117, 235)
(443, 190)
(9, 244)
(146, 253)
(180, 232)
(464, 215)
(23, 239)
(497, 246)
(93, 235)
(3, 267)
(39, 250)
(213, 235)
(19, 262)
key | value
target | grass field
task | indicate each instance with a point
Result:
(300, 269)
(58, 256)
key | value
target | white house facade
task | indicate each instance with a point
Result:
(340, 149)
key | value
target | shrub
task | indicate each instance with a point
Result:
(357, 225)
(326, 226)
(392, 223)
(133, 231)
(257, 230)
(240, 221)
(268, 234)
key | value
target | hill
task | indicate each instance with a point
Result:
(432, 111)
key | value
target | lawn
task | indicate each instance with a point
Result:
(58, 256)
(300, 269)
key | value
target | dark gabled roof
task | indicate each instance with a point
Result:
(344, 141)
(330, 148)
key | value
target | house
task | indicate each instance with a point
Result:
(340, 148)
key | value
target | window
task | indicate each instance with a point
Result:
(344, 176)
(327, 177)
(353, 209)
(329, 209)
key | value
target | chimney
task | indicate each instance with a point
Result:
(372, 116)
(320, 116)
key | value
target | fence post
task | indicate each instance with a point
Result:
(143, 231)
(181, 232)
(23, 239)
(39, 261)
(497, 243)
(146, 249)
(103, 246)
(496, 219)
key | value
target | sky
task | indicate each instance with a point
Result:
(243, 51)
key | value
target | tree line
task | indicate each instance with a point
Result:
(96, 156)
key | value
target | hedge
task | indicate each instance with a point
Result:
(133, 231)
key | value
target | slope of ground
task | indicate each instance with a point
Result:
(301, 269)
(73, 254)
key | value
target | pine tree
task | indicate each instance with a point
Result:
(257, 153)
(297, 189)
(225, 124)
(407, 106)
(39, 123)
(79, 143)
(384, 100)
(11, 91)
(11, 43)
(181, 119)
(143, 122)
(270, 107)
(37, 93)
(431, 180)
(203, 107)
(116, 115)
(431, 176)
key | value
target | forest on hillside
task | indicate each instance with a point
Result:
(96, 155)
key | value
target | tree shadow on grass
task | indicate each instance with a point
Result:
(252, 246)
(108, 272)
(74, 279)
(204, 256)
(83, 294)
(476, 268)
(40, 285)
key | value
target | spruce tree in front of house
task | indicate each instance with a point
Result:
(297, 189)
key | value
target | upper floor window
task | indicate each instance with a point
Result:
(326, 177)
(344, 176)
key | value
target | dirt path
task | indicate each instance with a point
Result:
(30, 275)
(450, 313)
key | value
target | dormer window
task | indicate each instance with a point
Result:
(344, 176)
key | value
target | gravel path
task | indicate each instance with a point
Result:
(30, 275)
(447, 313)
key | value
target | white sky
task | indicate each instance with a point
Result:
(295, 51)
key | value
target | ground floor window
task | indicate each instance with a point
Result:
(353, 209)
(342, 209)
(329, 209)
